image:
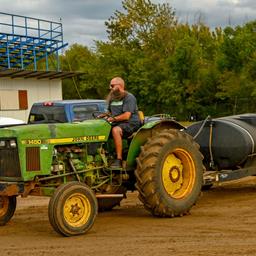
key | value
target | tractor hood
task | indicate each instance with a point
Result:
(90, 130)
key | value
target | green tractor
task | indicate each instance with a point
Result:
(70, 162)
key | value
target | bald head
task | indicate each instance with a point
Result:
(117, 81)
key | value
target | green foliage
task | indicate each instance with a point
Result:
(173, 68)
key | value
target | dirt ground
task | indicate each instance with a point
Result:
(222, 223)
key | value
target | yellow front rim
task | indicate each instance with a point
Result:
(4, 204)
(178, 173)
(77, 210)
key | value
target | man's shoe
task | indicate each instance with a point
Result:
(116, 164)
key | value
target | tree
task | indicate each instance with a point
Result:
(140, 21)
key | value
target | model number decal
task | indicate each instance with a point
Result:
(32, 142)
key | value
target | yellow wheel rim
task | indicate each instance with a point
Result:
(77, 210)
(178, 173)
(4, 204)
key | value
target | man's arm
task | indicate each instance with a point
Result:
(123, 117)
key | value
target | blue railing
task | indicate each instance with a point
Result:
(25, 40)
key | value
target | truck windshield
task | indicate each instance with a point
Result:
(47, 114)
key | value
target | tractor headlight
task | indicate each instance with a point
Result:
(2, 143)
(13, 144)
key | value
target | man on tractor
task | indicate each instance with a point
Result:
(123, 115)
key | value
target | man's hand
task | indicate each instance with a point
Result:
(103, 115)
(111, 119)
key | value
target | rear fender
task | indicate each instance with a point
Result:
(143, 134)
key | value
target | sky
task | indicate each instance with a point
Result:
(83, 20)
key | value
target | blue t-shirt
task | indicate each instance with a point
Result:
(127, 104)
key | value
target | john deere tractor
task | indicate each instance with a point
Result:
(70, 162)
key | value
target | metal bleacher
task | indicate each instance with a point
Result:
(24, 41)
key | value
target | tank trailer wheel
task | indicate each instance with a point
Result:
(169, 173)
(72, 209)
(7, 208)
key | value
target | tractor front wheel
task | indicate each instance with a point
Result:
(72, 209)
(7, 208)
(169, 173)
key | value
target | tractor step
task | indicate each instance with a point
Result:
(109, 195)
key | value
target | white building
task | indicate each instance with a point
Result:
(24, 43)
(20, 89)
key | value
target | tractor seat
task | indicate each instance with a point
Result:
(141, 118)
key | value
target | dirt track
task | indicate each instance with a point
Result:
(223, 222)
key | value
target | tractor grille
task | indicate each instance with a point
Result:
(33, 158)
(9, 162)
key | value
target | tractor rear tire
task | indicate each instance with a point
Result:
(72, 209)
(169, 173)
(7, 208)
